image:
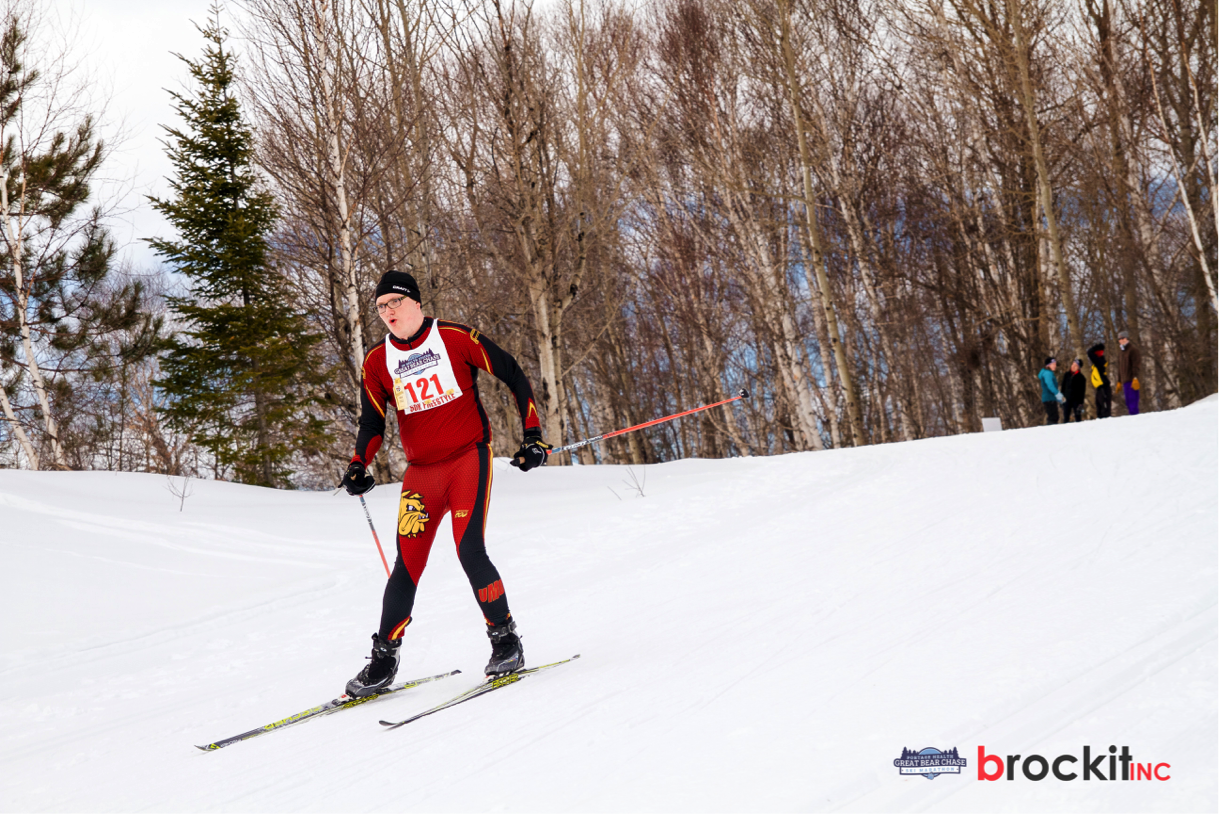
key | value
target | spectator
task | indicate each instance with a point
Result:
(1100, 380)
(1128, 372)
(1074, 388)
(1050, 395)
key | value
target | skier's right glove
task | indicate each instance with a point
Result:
(1061, 398)
(533, 452)
(357, 481)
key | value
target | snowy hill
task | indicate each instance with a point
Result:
(756, 634)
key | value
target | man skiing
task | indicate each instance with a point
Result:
(429, 369)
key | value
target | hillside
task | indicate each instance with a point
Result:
(756, 634)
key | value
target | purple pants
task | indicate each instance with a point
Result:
(1132, 399)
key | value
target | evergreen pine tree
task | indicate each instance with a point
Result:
(241, 378)
(66, 320)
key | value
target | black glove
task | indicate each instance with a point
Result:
(533, 453)
(357, 481)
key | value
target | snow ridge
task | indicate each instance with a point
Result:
(757, 634)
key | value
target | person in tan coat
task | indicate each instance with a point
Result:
(1128, 361)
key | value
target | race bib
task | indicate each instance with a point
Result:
(423, 378)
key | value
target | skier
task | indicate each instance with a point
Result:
(1050, 396)
(1074, 387)
(1100, 380)
(429, 368)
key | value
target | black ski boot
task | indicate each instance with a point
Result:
(507, 652)
(380, 671)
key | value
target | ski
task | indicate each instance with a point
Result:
(490, 685)
(342, 702)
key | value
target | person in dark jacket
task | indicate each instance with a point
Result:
(1075, 388)
(1050, 395)
(1128, 372)
(1100, 380)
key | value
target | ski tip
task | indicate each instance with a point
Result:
(390, 724)
(211, 747)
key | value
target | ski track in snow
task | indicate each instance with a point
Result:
(756, 634)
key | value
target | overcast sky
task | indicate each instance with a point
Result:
(126, 47)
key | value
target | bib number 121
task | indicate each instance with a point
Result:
(423, 383)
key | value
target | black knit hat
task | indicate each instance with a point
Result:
(398, 282)
(1048, 359)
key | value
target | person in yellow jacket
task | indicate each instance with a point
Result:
(1128, 361)
(1100, 380)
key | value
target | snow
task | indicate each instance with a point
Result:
(759, 634)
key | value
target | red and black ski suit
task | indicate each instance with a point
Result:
(448, 448)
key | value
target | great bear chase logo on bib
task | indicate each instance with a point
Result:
(416, 363)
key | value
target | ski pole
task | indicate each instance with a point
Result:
(742, 394)
(377, 539)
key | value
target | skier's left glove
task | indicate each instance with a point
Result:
(533, 452)
(1134, 383)
(1061, 398)
(357, 481)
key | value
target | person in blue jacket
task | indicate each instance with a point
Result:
(1051, 397)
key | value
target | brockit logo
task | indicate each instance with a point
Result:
(929, 762)
(1095, 767)
(417, 363)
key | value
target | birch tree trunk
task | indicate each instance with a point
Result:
(1132, 201)
(849, 392)
(864, 256)
(15, 239)
(771, 289)
(1204, 140)
(328, 55)
(405, 42)
(22, 438)
(828, 361)
(1028, 101)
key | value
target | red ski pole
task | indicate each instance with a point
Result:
(375, 538)
(743, 394)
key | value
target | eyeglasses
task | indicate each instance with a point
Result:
(389, 305)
